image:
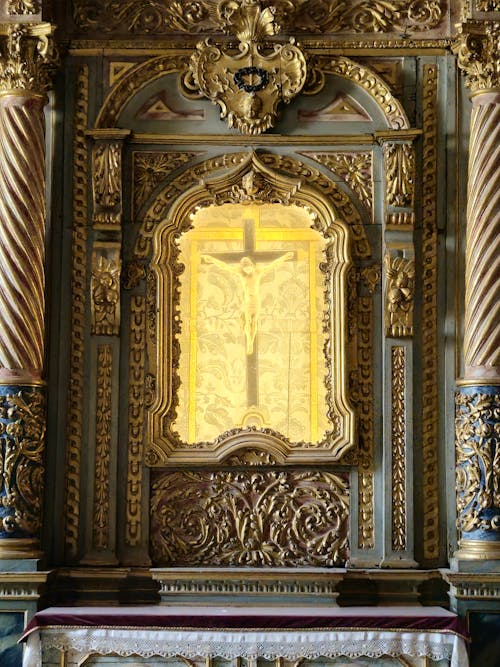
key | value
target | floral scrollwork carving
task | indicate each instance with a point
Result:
(250, 518)
(23, 6)
(22, 444)
(477, 427)
(316, 16)
(107, 183)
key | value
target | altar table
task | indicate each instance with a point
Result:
(251, 633)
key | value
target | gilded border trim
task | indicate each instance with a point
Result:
(429, 316)
(74, 428)
(398, 435)
(103, 446)
(366, 528)
(137, 347)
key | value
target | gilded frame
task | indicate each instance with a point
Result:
(164, 446)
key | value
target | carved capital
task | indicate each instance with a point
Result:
(478, 52)
(27, 57)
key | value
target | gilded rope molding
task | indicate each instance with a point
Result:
(22, 237)
(102, 446)
(398, 433)
(366, 531)
(137, 347)
(429, 313)
(482, 333)
(78, 297)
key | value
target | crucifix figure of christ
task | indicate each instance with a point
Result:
(245, 265)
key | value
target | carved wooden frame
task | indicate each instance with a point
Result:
(164, 446)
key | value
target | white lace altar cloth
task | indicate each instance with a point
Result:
(289, 643)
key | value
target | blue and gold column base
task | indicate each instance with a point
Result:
(22, 448)
(477, 429)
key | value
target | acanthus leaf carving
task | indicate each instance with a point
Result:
(478, 52)
(400, 174)
(27, 57)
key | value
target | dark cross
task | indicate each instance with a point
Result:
(256, 256)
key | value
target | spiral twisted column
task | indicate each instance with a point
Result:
(26, 54)
(478, 393)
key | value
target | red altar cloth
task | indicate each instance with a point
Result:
(394, 619)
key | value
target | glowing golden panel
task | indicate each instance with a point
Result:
(251, 342)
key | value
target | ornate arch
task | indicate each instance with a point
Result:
(151, 70)
(252, 180)
(159, 206)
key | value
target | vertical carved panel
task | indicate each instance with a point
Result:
(399, 162)
(78, 300)
(105, 290)
(103, 447)
(399, 295)
(137, 348)
(107, 183)
(429, 315)
(398, 433)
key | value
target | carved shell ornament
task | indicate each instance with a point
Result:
(250, 82)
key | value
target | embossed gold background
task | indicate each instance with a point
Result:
(288, 368)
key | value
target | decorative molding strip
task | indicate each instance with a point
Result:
(103, 447)
(249, 518)
(430, 444)
(366, 505)
(137, 361)
(78, 300)
(400, 219)
(398, 460)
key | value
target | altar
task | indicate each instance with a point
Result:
(201, 636)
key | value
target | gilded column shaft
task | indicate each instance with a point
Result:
(25, 53)
(478, 398)
(22, 236)
(482, 306)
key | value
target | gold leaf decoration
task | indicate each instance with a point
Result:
(398, 430)
(151, 168)
(265, 518)
(317, 16)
